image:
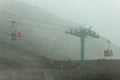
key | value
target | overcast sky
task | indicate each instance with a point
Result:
(104, 15)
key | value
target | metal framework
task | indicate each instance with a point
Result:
(82, 33)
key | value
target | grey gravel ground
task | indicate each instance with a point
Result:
(17, 64)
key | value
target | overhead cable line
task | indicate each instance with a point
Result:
(40, 27)
(33, 19)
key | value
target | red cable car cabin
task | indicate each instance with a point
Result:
(16, 36)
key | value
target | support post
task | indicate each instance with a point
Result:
(82, 33)
(82, 48)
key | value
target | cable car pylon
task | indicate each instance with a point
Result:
(82, 33)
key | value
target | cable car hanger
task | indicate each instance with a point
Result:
(15, 34)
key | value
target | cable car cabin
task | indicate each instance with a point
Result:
(108, 53)
(16, 36)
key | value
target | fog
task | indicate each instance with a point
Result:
(103, 15)
(43, 30)
(35, 44)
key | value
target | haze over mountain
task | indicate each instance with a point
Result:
(44, 33)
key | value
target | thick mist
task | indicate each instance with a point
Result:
(103, 15)
(44, 34)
